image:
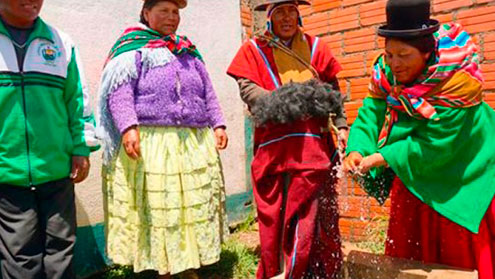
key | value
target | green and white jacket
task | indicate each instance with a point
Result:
(45, 117)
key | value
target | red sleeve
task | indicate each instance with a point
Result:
(245, 64)
(323, 60)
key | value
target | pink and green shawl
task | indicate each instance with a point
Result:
(137, 37)
(455, 66)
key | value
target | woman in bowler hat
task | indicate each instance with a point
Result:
(425, 134)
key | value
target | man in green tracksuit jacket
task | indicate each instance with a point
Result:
(46, 136)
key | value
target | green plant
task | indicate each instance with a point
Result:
(125, 272)
(236, 262)
(248, 223)
(376, 235)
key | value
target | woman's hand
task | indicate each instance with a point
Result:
(372, 161)
(130, 141)
(221, 138)
(352, 162)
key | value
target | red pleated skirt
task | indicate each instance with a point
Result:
(418, 232)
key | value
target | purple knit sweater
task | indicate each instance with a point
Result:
(178, 94)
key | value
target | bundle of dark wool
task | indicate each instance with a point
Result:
(296, 101)
(376, 184)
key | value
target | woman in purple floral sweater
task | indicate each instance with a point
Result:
(162, 126)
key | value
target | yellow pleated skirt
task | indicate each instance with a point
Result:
(166, 211)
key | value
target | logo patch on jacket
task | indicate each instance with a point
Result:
(49, 52)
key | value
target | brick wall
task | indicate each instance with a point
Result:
(349, 27)
(246, 19)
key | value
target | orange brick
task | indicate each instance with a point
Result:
(445, 18)
(325, 5)
(350, 120)
(379, 211)
(344, 12)
(347, 184)
(358, 191)
(439, 6)
(488, 68)
(351, 109)
(317, 30)
(482, 27)
(358, 229)
(359, 88)
(490, 99)
(490, 86)
(489, 55)
(345, 187)
(320, 19)
(354, 207)
(374, 202)
(352, 114)
(360, 40)
(353, 105)
(344, 87)
(245, 8)
(487, 10)
(380, 42)
(372, 13)
(351, 73)
(246, 14)
(305, 10)
(346, 3)
(379, 19)
(345, 227)
(344, 19)
(354, 61)
(388, 203)
(246, 22)
(489, 47)
(478, 19)
(373, 8)
(351, 117)
(334, 41)
(489, 50)
(441, 1)
(489, 38)
(363, 32)
(489, 79)
(476, 38)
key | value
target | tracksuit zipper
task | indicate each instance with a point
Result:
(26, 126)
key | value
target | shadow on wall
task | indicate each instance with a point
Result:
(89, 256)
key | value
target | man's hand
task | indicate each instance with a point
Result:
(343, 136)
(221, 138)
(80, 168)
(130, 141)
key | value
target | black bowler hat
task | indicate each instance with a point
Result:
(265, 4)
(408, 18)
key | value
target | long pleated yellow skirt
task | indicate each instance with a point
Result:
(166, 211)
